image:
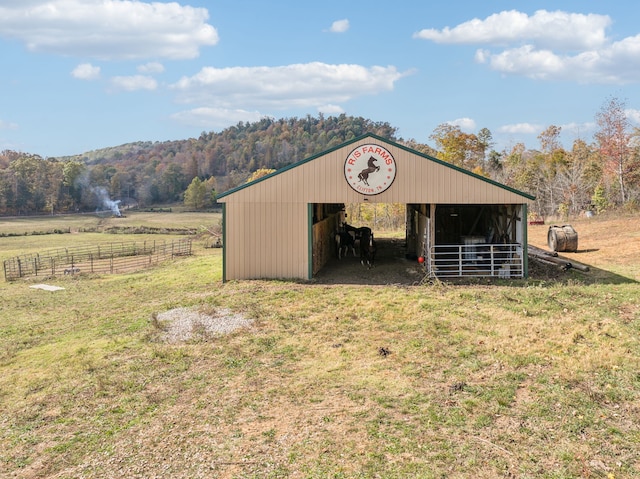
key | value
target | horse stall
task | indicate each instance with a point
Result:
(323, 243)
(478, 240)
(327, 218)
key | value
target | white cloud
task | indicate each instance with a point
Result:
(134, 83)
(108, 29)
(633, 115)
(331, 109)
(616, 64)
(548, 46)
(291, 86)
(86, 71)
(465, 124)
(521, 128)
(215, 117)
(339, 26)
(568, 31)
(151, 67)
(527, 61)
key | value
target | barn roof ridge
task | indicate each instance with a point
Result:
(384, 140)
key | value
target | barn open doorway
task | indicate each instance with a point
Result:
(453, 239)
(388, 223)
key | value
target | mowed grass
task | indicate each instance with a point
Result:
(532, 378)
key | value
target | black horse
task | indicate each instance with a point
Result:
(344, 241)
(371, 168)
(367, 249)
(356, 232)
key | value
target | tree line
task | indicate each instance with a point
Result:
(601, 174)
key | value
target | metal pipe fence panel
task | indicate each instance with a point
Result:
(98, 259)
(477, 260)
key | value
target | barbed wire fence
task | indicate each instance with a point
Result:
(108, 258)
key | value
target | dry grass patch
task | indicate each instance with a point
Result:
(609, 244)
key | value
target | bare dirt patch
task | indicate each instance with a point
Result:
(391, 267)
(607, 244)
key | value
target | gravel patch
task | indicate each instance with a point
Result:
(46, 287)
(188, 324)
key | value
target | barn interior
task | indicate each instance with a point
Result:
(449, 240)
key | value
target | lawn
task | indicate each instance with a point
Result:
(536, 378)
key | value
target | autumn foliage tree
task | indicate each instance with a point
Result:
(461, 149)
(614, 143)
(260, 173)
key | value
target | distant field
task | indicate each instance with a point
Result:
(535, 378)
(87, 221)
(33, 241)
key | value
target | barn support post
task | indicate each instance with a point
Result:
(224, 242)
(525, 242)
(310, 240)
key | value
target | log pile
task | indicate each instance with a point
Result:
(551, 257)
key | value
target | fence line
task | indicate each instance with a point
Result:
(99, 259)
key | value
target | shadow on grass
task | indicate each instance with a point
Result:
(542, 272)
(393, 268)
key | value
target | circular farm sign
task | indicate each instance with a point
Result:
(370, 169)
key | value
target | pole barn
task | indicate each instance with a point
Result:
(283, 225)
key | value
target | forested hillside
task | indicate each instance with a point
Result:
(601, 175)
(147, 173)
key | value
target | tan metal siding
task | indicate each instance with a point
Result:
(418, 180)
(266, 240)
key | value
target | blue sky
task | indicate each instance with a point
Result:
(78, 75)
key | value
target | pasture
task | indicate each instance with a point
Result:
(536, 378)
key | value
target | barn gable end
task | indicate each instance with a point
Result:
(268, 223)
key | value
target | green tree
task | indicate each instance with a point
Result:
(195, 195)
(72, 173)
(25, 169)
(210, 186)
(171, 182)
(599, 199)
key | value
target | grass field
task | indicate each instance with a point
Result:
(536, 378)
(86, 229)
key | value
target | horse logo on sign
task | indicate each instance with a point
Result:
(370, 169)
